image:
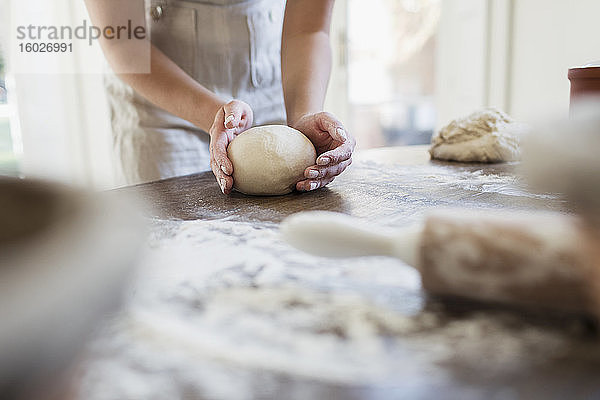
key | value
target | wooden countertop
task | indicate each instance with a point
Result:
(386, 185)
(495, 354)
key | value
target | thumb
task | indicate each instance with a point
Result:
(236, 114)
(333, 126)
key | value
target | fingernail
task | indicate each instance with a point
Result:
(229, 119)
(342, 133)
(224, 170)
(323, 160)
(313, 173)
(223, 184)
(314, 185)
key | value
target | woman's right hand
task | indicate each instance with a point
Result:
(232, 119)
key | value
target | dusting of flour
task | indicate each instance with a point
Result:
(227, 310)
(487, 135)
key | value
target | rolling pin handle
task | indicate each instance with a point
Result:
(331, 234)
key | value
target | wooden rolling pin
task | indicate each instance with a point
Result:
(536, 260)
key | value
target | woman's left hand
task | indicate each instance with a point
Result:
(334, 147)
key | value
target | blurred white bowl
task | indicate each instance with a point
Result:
(561, 156)
(65, 257)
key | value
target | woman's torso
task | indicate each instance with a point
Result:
(231, 47)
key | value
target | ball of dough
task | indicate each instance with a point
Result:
(270, 160)
(488, 135)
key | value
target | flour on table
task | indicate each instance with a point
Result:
(488, 135)
(227, 310)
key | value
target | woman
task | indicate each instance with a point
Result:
(273, 59)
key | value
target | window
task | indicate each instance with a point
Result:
(2, 83)
(8, 158)
(388, 70)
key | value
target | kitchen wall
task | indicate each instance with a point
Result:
(549, 38)
(513, 54)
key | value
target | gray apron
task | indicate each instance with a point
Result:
(231, 47)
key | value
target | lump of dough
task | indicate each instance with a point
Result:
(488, 135)
(270, 160)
